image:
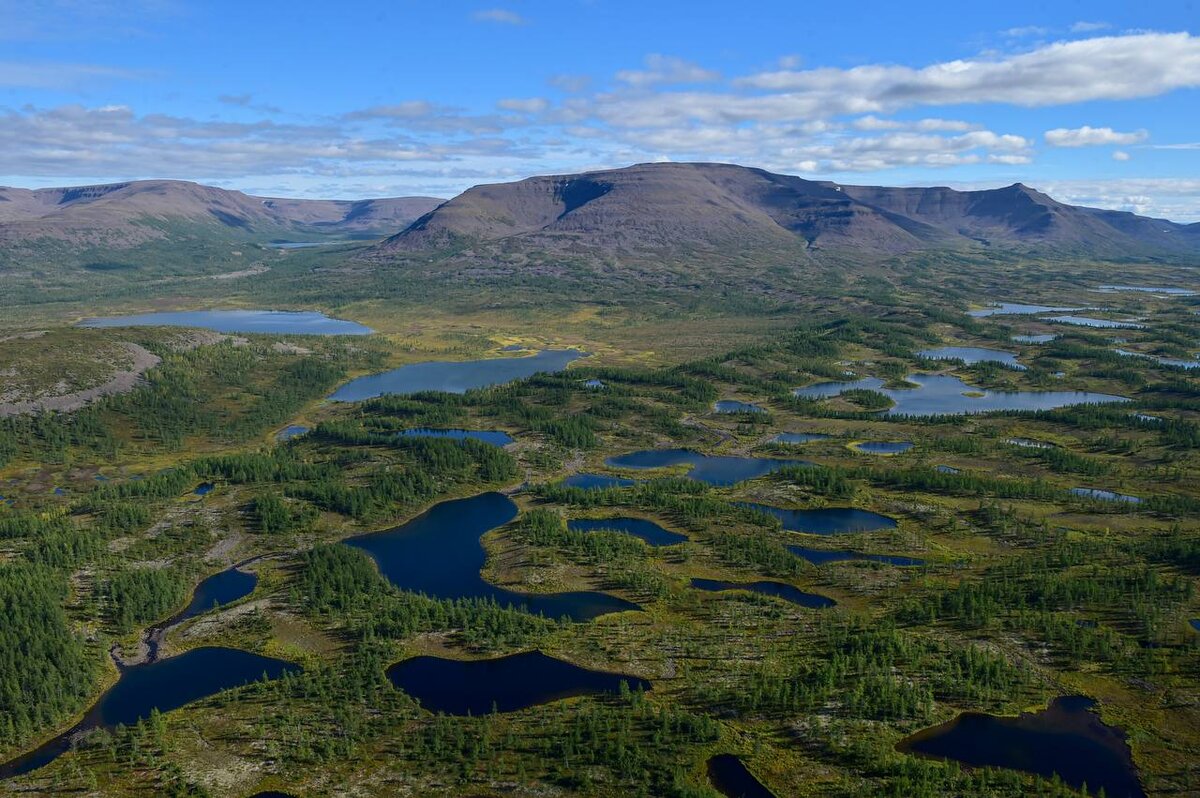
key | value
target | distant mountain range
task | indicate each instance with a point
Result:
(123, 215)
(651, 209)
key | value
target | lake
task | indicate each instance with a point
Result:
(972, 354)
(455, 376)
(505, 684)
(218, 590)
(945, 394)
(826, 520)
(438, 553)
(1087, 321)
(709, 469)
(1149, 289)
(493, 436)
(1105, 495)
(799, 437)
(1166, 361)
(589, 481)
(729, 776)
(1017, 309)
(164, 685)
(765, 588)
(882, 447)
(734, 406)
(291, 431)
(825, 390)
(642, 528)
(1040, 338)
(822, 556)
(1066, 739)
(289, 322)
(204, 488)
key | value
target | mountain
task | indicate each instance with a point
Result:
(125, 215)
(675, 209)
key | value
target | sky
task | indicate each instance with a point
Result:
(1094, 102)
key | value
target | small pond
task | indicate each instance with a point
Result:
(506, 684)
(454, 376)
(283, 322)
(438, 553)
(1067, 739)
(826, 520)
(711, 469)
(164, 685)
(945, 469)
(734, 406)
(972, 354)
(291, 431)
(493, 436)
(1166, 361)
(883, 447)
(729, 776)
(1105, 495)
(204, 488)
(642, 528)
(218, 590)
(765, 588)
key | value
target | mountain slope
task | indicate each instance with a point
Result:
(683, 207)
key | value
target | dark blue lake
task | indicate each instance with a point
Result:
(710, 469)
(730, 777)
(204, 488)
(943, 394)
(506, 684)
(823, 556)
(454, 376)
(1166, 361)
(589, 481)
(163, 685)
(642, 528)
(734, 406)
(1017, 309)
(438, 553)
(1066, 739)
(883, 447)
(304, 322)
(1105, 495)
(826, 520)
(799, 437)
(218, 590)
(493, 436)
(971, 354)
(1087, 321)
(824, 390)
(777, 589)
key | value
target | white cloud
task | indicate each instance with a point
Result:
(571, 84)
(1091, 136)
(1120, 155)
(667, 69)
(502, 16)
(1089, 27)
(530, 105)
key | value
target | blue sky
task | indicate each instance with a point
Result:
(1094, 102)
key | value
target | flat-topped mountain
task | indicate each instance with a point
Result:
(123, 215)
(683, 207)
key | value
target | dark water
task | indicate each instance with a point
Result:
(734, 406)
(822, 556)
(826, 520)
(945, 469)
(438, 553)
(454, 376)
(1105, 495)
(730, 777)
(204, 488)
(1195, 622)
(1150, 289)
(291, 431)
(493, 436)
(164, 685)
(1017, 309)
(971, 354)
(883, 447)
(218, 590)
(799, 437)
(507, 684)
(943, 394)
(589, 481)
(594, 384)
(1043, 338)
(306, 322)
(1166, 361)
(712, 470)
(776, 589)
(648, 531)
(824, 390)
(1067, 738)
(1087, 321)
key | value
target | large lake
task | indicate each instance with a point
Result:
(163, 685)
(825, 520)
(455, 376)
(289, 322)
(438, 553)
(1066, 739)
(506, 684)
(711, 469)
(971, 355)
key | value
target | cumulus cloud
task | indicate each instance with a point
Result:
(1091, 137)
(1120, 155)
(502, 16)
(667, 69)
